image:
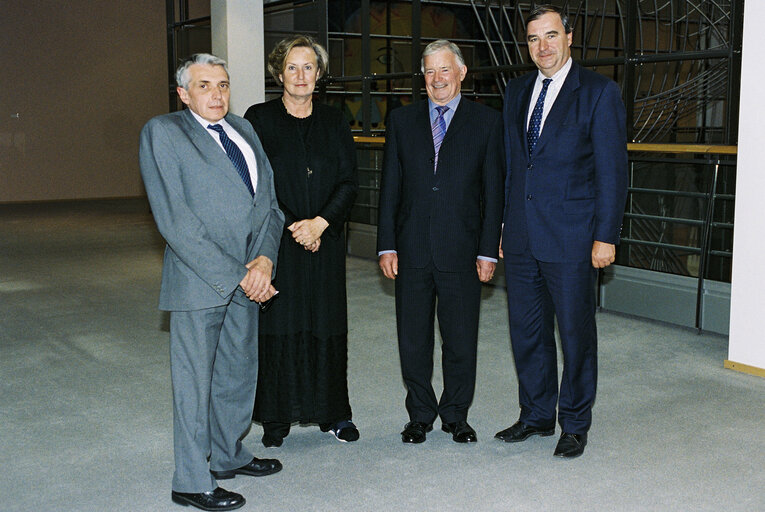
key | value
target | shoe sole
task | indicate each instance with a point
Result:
(180, 500)
(568, 455)
(545, 433)
(225, 475)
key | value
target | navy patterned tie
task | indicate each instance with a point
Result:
(439, 130)
(235, 155)
(532, 136)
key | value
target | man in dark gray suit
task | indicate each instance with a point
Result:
(211, 191)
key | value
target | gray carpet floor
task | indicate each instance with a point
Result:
(85, 403)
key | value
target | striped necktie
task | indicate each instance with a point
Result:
(235, 155)
(439, 130)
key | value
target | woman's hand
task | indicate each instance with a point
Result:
(307, 232)
(314, 246)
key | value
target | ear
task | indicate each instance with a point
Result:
(463, 72)
(570, 37)
(183, 94)
(281, 78)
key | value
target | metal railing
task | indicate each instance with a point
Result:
(650, 233)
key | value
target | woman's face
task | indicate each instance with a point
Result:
(300, 72)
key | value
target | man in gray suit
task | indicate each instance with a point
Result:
(211, 191)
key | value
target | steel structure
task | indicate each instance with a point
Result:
(677, 62)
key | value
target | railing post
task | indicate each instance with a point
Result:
(706, 243)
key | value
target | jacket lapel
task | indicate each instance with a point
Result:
(423, 127)
(559, 109)
(523, 110)
(461, 116)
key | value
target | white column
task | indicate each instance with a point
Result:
(746, 349)
(237, 37)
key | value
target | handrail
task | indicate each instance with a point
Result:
(707, 223)
(632, 146)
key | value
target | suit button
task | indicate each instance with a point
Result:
(528, 197)
(530, 167)
(435, 189)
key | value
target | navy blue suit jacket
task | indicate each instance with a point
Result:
(573, 190)
(455, 215)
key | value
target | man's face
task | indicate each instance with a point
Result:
(549, 45)
(443, 76)
(208, 92)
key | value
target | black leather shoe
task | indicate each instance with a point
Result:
(520, 432)
(570, 445)
(256, 467)
(219, 499)
(415, 432)
(461, 432)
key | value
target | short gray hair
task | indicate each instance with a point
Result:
(437, 46)
(182, 73)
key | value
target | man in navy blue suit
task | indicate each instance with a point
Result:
(438, 236)
(566, 147)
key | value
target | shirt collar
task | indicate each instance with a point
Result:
(204, 122)
(560, 75)
(452, 104)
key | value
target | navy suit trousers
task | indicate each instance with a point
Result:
(538, 292)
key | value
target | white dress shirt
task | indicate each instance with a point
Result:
(552, 92)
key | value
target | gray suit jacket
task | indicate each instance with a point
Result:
(205, 213)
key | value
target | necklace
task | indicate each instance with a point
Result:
(302, 126)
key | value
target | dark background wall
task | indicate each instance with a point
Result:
(83, 77)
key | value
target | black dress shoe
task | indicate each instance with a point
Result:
(415, 432)
(570, 445)
(520, 432)
(256, 467)
(219, 499)
(461, 432)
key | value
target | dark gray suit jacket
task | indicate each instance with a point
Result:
(205, 213)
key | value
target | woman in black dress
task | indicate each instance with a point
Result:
(304, 335)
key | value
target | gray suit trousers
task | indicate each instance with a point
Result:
(213, 363)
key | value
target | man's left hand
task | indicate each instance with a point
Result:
(485, 270)
(603, 254)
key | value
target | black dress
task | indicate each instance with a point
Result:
(303, 337)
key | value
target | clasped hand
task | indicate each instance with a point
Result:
(257, 282)
(307, 232)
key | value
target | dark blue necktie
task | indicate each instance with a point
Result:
(532, 136)
(235, 155)
(438, 130)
